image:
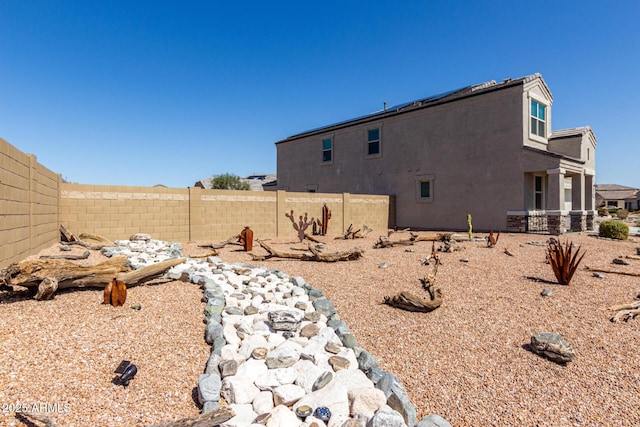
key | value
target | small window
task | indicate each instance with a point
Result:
(538, 193)
(327, 150)
(373, 142)
(424, 188)
(538, 119)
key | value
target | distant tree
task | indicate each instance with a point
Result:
(227, 181)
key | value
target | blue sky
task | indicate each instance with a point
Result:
(158, 92)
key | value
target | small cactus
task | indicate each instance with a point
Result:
(470, 226)
(302, 224)
(326, 216)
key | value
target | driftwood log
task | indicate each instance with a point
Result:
(357, 234)
(606, 270)
(230, 241)
(411, 302)
(385, 242)
(208, 419)
(32, 274)
(625, 311)
(312, 254)
(84, 255)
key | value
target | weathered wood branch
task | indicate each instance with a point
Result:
(410, 302)
(29, 417)
(230, 241)
(606, 270)
(313, 254)
(84, 255)
(40, 273)
(208, 419)
(625, 312)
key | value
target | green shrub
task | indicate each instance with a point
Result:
(614, 230)
(622, 213)
(603, 212)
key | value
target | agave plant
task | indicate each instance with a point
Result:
(564, 262)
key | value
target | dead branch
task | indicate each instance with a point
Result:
(230, 241)
(632, 257)
(606, 270)
(313, 254)
(70, 275)
(208, 419)
(31, 416)
(625, 312)
(97, 238)
(214, 253)
(411, 302)
(313, 239)
(84, 255)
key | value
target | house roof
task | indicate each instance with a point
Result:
(615, 191)
(572, 132)
(256, 181)
(453, 95)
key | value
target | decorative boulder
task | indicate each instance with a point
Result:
(552, 346)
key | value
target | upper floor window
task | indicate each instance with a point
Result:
(373, 142)
(538, 118)
(327, 150)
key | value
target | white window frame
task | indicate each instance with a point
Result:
(327, 162)
(368, 142)
(419, 180)
(547, 110)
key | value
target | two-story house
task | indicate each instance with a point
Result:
(486, 149)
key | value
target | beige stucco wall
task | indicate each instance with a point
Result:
(471, 148)
(29, 197)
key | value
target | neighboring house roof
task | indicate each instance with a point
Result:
(615, 191)
(256, 181)
(430, 101)
(572, 132)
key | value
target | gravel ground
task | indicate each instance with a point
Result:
(467, 361)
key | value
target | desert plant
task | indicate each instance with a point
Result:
(622, 213)
(563, 261)
(614, 230)
(603, 212)
(228, 181)
(470, 226)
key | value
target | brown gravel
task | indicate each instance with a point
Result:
(466, 361)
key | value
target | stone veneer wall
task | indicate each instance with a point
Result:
(29, 199)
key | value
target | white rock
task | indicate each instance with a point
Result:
(263, 402)
(330, 335)
(252, 368)
(275, 377)
(244, 416)
(287, 394)
(366, 401)
(282, 416)
(284, 355)
(334, 396)
(386, 417)
(352, 379)
(231, 334)
(239, 389)
(308, 373)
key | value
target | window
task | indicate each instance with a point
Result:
(373, 142)
(538, 120)
(424, 188)
(327, 149)
(538, 193)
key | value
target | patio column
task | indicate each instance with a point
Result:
(589, 198)
(578, 214)
(556, 217)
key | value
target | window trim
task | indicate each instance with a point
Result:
(531, 117)
(322, 140)
(368, 142)
(419, 180)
